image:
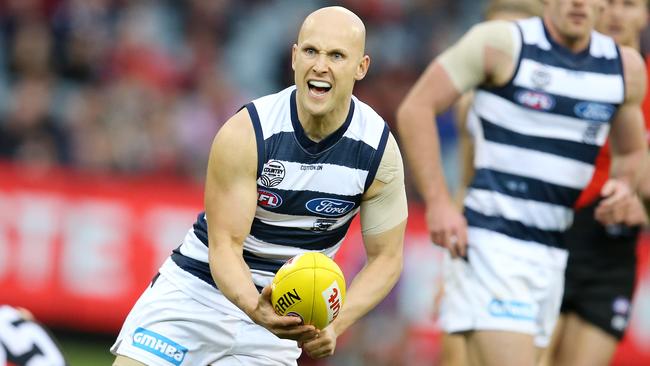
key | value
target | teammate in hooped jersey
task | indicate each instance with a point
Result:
(286, 175)
(601, 270)
(550, 91)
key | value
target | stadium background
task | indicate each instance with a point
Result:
(107, 112)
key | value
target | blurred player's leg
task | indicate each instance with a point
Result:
(546, 355)
(453, 350)
(126, 361)
(583, 344)
(497, 348)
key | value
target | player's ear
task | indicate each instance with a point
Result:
(294, 52)
(362, 68)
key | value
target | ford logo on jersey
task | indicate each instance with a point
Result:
(535, 100)
(329, 206)
(160, 346)
(594, 111)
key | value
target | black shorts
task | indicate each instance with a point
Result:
(600, 274)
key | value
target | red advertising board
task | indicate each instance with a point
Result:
(78, 249)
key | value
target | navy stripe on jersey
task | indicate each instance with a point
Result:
(560, 56)
(377, 157)
(569, 149)
(349, 153)
(542, 101)
(200, 228)
(310, 145)
(525, 188)
(514, 229)
(259, 136)
(197, 268)
(262, 264)
(293, 202)
(299, 238)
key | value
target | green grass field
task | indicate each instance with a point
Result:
(86, 350)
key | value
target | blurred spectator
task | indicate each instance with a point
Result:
(143, 86)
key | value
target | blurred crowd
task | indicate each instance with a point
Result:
(142, 86)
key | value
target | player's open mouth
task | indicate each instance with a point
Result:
(318, 88)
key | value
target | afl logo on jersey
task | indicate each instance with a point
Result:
(535, 100)
(329, 206)
(594, 111)
(268, 199)
(272, 173)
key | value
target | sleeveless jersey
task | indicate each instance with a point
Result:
(604, 160)
(537, 137)
(308, 192)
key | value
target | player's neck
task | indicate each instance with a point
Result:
(573, 44)
(319, 127)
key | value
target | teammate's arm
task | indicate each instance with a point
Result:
(465, 145)
(628, 144)
(230, 202)
(383, 221)
(485, 55)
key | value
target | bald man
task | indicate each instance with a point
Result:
(286, 175)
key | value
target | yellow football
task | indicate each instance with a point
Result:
(311, 286)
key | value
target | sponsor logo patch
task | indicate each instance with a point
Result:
(329, 206)
(512, 309)
(594, 111)
(535, 100)
(272, 173)
(323, 224)
(160, 346)
(541, 78)
(268, 199)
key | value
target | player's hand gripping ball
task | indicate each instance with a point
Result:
(311, 286)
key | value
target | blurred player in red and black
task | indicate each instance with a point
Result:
(601, 270)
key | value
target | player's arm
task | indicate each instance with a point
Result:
(627, 137)
(465, 145)
(485, 55)
(383, 221)
(230, 202)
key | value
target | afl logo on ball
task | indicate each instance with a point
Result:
(272, 173)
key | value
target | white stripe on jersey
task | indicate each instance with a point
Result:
(333, 179)
(193, 248)
(368, 129)
(276, 251)
(506, 114)
(268, 105)
(296, 221)
(540, 215)
(572, 84)
(537, 165)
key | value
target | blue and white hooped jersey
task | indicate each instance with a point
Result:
(308, 192)
(537, 138)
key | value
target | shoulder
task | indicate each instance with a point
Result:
(634, 73)
(632, 60)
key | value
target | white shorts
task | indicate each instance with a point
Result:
(167, 327)
(506, 285)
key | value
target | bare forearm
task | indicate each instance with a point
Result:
(629, 167)
(420, 142)
(233, 277)
(369, 287)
